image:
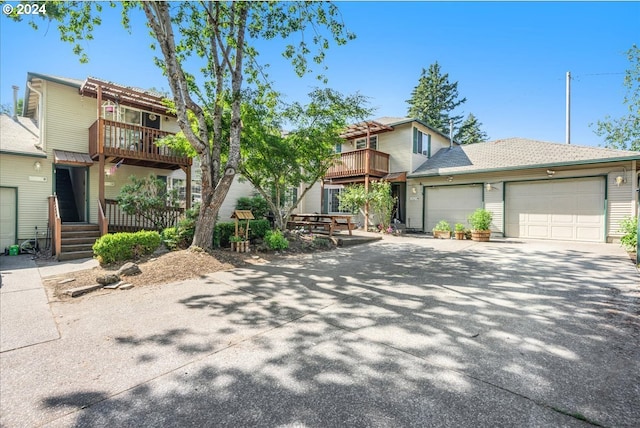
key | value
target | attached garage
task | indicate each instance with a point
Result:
(451, 203)
(8, 217)
(562, 209)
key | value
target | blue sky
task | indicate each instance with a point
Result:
(509, 59)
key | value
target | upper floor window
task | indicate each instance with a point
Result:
(130, 115)
(361, 143)
(338, 148)
(421, 142)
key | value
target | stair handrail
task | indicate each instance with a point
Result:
(103, 221)
(55, 223)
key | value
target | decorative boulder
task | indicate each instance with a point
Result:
(129, 269)
(107, 279)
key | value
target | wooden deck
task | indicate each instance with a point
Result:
(354, 164)
(133, 145)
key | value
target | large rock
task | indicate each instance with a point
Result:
(129, 269)
(107, 279)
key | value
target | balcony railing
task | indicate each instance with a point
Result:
(353, 164)
(119, 221)
(137, 143)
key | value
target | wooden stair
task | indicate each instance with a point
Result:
(77, 241)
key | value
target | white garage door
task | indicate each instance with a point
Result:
(451, 203)
(7, 217)
(568, 210)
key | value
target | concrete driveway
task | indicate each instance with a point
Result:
(402, 332)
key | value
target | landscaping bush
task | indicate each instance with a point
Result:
(170, 238)
(275, 240)
(629, 226)
(225, 230)
(257, 204)
(114, 247)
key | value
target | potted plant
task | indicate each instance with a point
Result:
(459, 229)
(239, 244)
(442, 230)
(480, 222)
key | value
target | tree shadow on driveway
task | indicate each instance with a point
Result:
(401, 335)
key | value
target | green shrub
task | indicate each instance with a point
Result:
(480, 219)
(125, 246)
(275, 240)
(257, 204)
(225, 230)
(442, 226)
(459, 227)
(629, 226)
(170, 237)
(258, 228)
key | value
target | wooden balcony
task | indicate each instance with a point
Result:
(133, 145)
(352, 166)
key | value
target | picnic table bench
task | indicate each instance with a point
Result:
(321, 222)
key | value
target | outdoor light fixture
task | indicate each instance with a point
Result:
(622, 178)
(550, 173)
(37, 165)
(488, 187)
(450, 178)
(107, 172)
(413, 190)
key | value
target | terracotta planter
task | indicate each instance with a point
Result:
(439, 234)
(460, 235)
(480, 235)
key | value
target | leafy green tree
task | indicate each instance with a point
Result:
(355, 197)
(148, 198)
(215, 38)
(435, 98)
(470, 132)
(623, 133)
(8, 108)
(275, 162)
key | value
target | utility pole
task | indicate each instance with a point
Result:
(568, 115)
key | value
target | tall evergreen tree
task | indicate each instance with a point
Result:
(434, 99)
(470, 131)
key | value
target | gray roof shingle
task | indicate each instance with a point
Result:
(514, 153)
(19, 137)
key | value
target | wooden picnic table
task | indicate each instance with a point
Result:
(325, 222)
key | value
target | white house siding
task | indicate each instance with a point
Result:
(68, 118)
(493, 202)
(621, 200)
(311, 201)
(239, 188)
(398, 144)
(32, 195)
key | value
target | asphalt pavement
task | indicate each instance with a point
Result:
(401, 332)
